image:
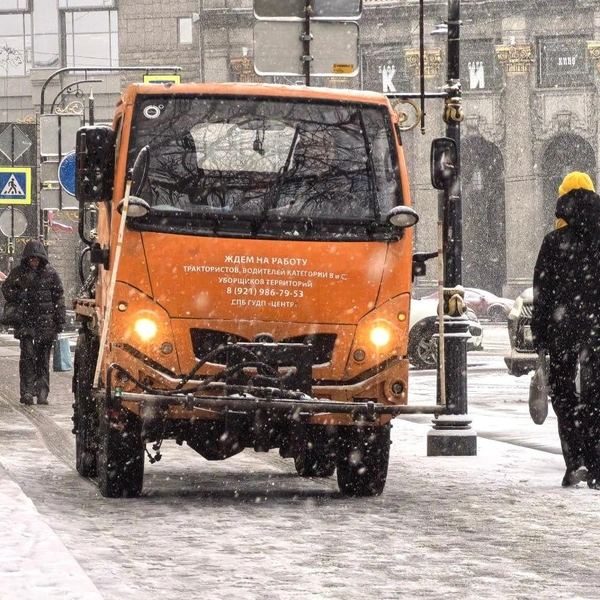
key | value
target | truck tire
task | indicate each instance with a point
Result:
(314, 460)
(120, 457)
(314, 450)
(84, 413)
(362, 461)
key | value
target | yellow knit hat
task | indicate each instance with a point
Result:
(575, 181)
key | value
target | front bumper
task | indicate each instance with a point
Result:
(475, 342)
(522, 357)
(520, 363)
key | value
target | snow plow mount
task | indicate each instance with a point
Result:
(248, 402)
(248, 398)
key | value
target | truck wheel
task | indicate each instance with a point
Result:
(315, 461)
(83, 410)
(362, 461)
(120, 457)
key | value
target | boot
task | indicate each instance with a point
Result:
(26, 399)
(572, 478)
(43, 397)
(594, 483)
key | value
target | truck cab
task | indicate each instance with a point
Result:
(252, 264)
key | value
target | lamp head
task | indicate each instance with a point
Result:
(402, 217)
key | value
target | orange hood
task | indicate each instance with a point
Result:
(192, 277)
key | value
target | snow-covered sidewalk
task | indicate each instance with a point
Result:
(34, 562)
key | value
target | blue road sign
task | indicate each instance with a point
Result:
(15, 185)
(66, 173)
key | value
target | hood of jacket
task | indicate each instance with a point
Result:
(34, 248)
(580, 209)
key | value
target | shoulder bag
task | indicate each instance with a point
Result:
(538, 391)
(61, 357)
(12, 314)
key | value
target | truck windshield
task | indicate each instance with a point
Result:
(264, 160)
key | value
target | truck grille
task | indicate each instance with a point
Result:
(527, 310)
(523, 342)
(206, 340)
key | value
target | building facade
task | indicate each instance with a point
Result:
(530, 73)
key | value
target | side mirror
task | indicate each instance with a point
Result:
(136, 208)
(402, 217)
(95, 163)
(418, 265)
(444, 157)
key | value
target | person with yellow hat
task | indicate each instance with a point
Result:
(566, 324)
(573, 181)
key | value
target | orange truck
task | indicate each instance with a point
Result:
(251, 267)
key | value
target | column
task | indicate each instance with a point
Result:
(523, 199)
(594, 50)
(417, 148)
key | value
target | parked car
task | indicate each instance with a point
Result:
(522, 357)
(422, 339)
(71, 325)
(485, 304)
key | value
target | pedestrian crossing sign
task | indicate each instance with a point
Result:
(15, 185)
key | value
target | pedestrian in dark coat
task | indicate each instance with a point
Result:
(37, 287)
(566, 324)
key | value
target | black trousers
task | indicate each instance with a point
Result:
(578, 415)
(34, 366)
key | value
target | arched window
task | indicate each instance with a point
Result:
(484, 228)
(565, 152)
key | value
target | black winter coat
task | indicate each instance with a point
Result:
(566, 280)
(40, 295)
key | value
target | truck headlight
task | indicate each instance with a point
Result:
(145, 328)
(380, 336)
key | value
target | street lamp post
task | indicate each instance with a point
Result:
(452, 434)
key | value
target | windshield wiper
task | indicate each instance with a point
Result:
(274, 192)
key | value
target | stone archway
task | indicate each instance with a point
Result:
(484, 225)
(565, 152)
